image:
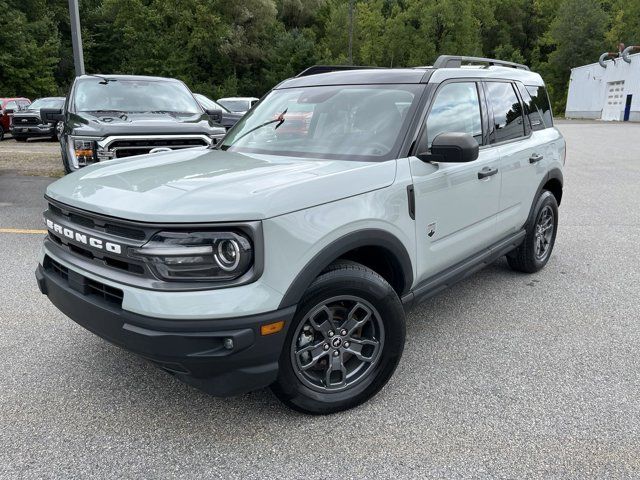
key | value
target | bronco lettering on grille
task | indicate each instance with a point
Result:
(92, 242)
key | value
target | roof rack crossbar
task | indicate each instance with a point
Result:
(455, 61)
(317, 69)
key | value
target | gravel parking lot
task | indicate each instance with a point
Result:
(35, 157)
(504, 375)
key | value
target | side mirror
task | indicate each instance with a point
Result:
(215, 114)
(454, 147)
(51, 115)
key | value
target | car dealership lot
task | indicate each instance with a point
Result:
(504, 375)
(35, 157)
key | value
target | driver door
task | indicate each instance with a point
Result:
(455, 207)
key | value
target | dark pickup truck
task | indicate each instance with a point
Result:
(114, 116)
(28, 124)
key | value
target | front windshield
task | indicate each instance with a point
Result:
(47, 103)
(236, 105)
(353, 122)
(129, 96)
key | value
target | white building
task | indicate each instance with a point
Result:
(611, 93)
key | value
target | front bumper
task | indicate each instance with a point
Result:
(33, 131)
(222, 356)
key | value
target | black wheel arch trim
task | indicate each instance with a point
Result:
(553, 174)
(346, 243)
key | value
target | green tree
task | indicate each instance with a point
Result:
(29, 47)
(625, 26)
(577, 35)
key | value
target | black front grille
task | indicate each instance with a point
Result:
(82, 284)
(23, 121)
(120, 264)
(99, 226)
(111, 228)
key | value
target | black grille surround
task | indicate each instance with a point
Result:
(129, 235)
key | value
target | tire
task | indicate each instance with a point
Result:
(20, 139)
(1, 133)
(528, 257)
(364, 342)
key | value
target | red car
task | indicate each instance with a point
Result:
(7, 107)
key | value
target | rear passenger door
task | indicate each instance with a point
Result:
(455, 210)
(521, 154)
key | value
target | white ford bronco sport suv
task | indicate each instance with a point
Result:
(287, 254)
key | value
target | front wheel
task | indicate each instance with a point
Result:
(534, 252)
(344, 342)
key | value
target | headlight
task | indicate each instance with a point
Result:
(82, 150)
(198, 256)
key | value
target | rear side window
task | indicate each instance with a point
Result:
(539, 109)
(456, 108)
(507, 112)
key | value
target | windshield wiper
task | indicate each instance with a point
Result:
(105, 80)
(279, 120)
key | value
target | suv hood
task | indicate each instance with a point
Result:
(103, 124)
(205, 185)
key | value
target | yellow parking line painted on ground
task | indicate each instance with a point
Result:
(22, 230)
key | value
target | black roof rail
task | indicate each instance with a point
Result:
(455, 61)
(316, 69)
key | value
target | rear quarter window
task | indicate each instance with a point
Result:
(538, 106)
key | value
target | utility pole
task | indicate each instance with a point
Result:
(76, 37)
(351, 32)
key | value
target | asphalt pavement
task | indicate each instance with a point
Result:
(504, 375)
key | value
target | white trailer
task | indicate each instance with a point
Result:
(611, 93)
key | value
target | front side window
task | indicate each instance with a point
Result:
(134, 96)
(456, 108)
(347, 122)
(12, 105)
(507, 111)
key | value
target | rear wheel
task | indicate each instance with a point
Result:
(1, 133)
(20, 139)
(344, 343)
(534, 252)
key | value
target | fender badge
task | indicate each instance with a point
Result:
(431, 229)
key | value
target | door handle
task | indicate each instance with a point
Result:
(487, 172)
(535, 158)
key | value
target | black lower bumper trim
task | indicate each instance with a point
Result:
(222, 356)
